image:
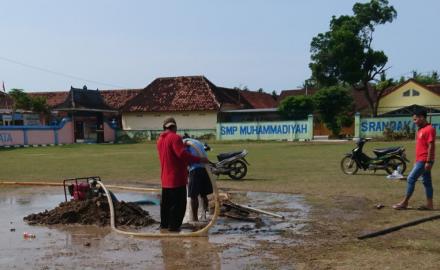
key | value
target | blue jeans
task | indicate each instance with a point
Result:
(417, 171)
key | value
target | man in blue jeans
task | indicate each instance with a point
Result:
(425, 154)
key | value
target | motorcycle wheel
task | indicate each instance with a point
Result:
(393, 163)
(238, 170)
(349, 166)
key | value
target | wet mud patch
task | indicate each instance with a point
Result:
(231, 244)
(92, 212)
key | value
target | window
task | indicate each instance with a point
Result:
(415, 93)
(407, 93)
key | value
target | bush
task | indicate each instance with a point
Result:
(405, 134)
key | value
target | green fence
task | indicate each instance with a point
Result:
(152, 135)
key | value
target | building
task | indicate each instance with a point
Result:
(6, 105)
(405, 97)
(194, 101)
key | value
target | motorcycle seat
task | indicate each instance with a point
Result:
(223, 156)
(383, 151)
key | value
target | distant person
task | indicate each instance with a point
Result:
(199, 181)
(425, 155)
(174, 162)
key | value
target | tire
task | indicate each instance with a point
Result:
(349, 166)
(393, 163)
(238, 170)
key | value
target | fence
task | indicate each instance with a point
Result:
(34, 135)
(151, 135)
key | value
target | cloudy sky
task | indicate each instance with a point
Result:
(51, 45)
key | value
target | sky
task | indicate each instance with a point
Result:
(50, 45)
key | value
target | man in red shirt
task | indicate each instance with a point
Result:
(174, 161)
(425, 155)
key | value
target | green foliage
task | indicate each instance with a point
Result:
(297, 107)
(334, 105)
(344, 54)
(39, 105)
(405, 134)
(21, 99)
(430, 78)
(24, 102)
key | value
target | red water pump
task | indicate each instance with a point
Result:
(82, 188)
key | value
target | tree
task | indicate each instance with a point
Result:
(430, 78)
(296, 107)
(21, 99)
(40, 106)
(344, 54)
(24, 102)
(334, 105)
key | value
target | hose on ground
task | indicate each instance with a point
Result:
(202, 232)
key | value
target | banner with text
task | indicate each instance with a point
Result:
(285, 130)
(375, 127)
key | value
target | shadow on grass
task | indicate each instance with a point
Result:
(243, 180)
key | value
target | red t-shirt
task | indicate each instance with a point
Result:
(174, 160)
(425, 135)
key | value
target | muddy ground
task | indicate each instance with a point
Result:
(93, 211)
(232, 244)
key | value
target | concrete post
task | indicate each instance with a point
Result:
(357, 125)
(310, 127)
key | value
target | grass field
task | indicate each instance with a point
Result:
(343, 206)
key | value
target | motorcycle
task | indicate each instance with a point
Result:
(388, 159)
(233, 164)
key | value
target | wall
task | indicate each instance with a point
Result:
(29, 135)
(154, 121)
(109, 133)
(374, 127)
(279, 130)
(395, 100)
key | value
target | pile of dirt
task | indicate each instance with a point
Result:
(92, 212)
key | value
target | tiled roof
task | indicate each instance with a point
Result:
(117, 98)
(194, 93)
(296, 92)
(52, 98)
(114, 98)
(358, 96)
(189, 93)
(6, 102)
(259, 100)
(83, 99)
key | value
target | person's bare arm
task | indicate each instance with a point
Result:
(429, 160)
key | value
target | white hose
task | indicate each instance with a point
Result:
(201, 232)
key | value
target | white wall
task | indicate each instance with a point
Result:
(154, 121)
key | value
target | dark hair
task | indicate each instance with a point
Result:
(420, 112)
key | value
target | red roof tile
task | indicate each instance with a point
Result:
(52, 98)
(190, 93)
(358, 96)
(259, 100)
(118, 98)
(114, 98)
(194, 93)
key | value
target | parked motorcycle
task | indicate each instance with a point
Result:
(388, 159)
(232, 164)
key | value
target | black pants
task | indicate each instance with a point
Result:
(172, 207)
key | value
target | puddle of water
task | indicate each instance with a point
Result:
(230, 245)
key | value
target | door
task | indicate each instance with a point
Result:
(79, 130)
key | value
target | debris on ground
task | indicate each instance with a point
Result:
(93, 211)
